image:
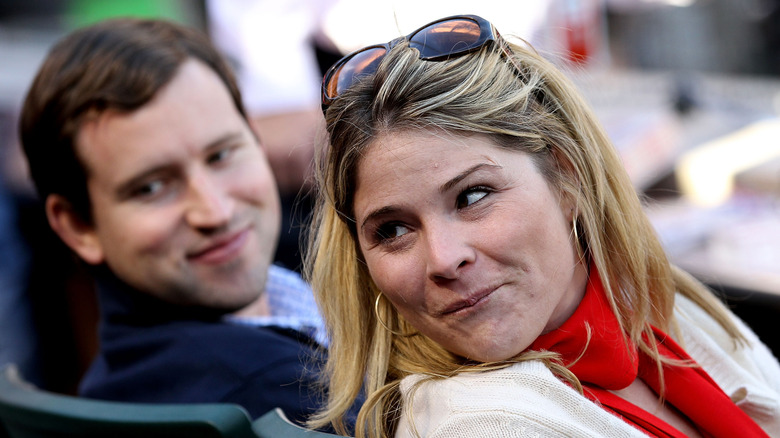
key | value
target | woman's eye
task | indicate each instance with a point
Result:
(390, 231)
(470, 196)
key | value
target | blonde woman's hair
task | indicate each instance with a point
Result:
(536, 111)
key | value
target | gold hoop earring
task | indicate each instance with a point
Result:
(382, 323)
(577, 241)
(576, 234)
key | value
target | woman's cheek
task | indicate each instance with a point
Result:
(395, 277)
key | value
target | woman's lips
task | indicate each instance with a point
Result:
(468, 303)
(222, 250)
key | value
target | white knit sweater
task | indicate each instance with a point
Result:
(527, 400)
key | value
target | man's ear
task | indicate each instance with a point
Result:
(79, 235)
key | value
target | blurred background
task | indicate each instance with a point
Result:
(688, 90)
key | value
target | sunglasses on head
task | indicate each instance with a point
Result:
(442, 39)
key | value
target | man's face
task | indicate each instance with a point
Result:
(184, 204)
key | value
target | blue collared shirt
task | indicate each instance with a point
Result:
(292, 305)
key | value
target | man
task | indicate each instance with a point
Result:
(138, 143)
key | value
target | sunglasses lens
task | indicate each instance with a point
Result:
(362, 63)
(447, 38)
(437, 41)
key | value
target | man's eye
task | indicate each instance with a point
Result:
(471, 196)
(218, 156)
(149, 189)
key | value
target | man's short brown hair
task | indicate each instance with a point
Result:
(117, 64)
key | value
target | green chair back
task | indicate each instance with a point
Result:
(28, 412)
(274, 424)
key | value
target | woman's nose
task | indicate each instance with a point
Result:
(448, 251)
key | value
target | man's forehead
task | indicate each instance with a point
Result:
(193, 110)
(108, 145)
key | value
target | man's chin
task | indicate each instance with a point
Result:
(257, 307)
(222, 299)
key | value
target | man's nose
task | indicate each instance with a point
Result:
(448, 251)
(209, 204)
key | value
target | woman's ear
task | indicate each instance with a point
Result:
(568, 184)
(568, 205)
(79, 235)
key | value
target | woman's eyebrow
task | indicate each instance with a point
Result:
(390, 209)
(378, 213)
(461, 176)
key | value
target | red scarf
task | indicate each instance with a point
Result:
(607, 365)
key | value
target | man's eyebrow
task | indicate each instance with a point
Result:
(126, 187)
(227, 138)
(463, 175)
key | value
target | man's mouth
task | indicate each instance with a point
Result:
(223, 249)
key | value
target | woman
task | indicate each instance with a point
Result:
(485, 267)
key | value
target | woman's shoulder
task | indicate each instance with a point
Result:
(511, 389)
(532, 372)
(525, 396)
(709, 343)
(748, 373)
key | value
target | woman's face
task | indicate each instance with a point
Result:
(467, 241)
